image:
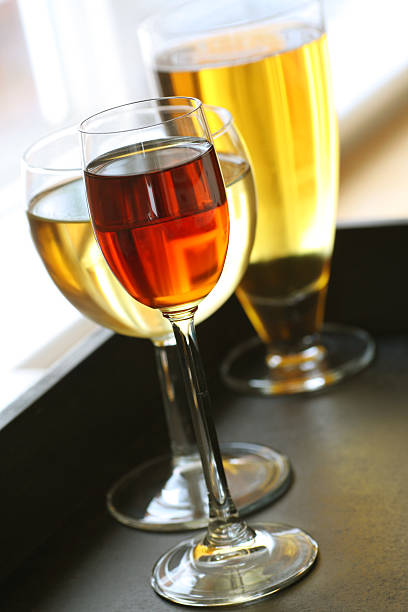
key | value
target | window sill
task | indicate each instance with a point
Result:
(27, 381)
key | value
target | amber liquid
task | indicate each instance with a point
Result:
(160, 216)
(63, 236)
(276, 84)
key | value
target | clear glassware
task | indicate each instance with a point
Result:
(267, 62)
(158, 207)
(176, 497)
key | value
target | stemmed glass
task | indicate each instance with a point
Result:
(159, 211)
(267, 62)
(175, 497)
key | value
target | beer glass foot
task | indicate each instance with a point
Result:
(195, 574)
(340, 351)
(170, 495)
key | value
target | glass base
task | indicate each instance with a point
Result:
(161, 496)
(195, 575)
(340, 351)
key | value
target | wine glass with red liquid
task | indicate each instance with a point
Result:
(159, 211)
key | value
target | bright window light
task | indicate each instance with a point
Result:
(42, 44)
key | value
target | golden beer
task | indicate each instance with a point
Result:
(275, 81)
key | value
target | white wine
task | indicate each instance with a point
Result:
(63, 235)
(275, 80)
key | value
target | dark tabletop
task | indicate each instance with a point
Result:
(349, 451)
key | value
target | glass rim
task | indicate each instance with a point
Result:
(222, 112)
(43, 141)
(225, 115)
(146, 24)
(81, 129)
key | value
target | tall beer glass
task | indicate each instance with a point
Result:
(267, 62)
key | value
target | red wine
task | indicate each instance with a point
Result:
(161, 219)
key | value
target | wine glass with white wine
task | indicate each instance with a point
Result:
(167, 492)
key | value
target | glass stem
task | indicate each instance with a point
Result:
(177, 411)
(225, 528)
